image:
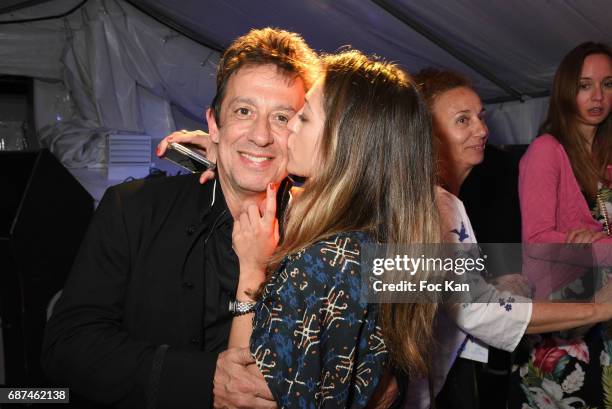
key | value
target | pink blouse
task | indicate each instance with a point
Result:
(551, 205)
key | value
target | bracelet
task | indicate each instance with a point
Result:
(238, 308)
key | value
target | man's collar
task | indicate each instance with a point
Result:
(211, 199)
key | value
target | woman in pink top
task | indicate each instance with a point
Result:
(460, 133)
(565, 193)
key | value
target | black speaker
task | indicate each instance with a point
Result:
(44, 213)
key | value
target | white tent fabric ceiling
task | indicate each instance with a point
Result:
(520, 42)
(118, 70)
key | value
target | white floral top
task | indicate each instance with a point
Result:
(465, 330)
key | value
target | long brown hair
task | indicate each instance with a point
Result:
(562, 121)
(376, 175)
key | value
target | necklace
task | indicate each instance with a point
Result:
(604, 213)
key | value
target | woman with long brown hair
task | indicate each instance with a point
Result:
(565, 194)
(577, 138)
(362, 141)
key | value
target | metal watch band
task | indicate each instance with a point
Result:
(240, 307)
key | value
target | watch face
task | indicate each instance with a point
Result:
(239, 307)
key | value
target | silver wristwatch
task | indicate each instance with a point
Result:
(240, 307)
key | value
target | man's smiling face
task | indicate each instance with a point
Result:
(252, 135)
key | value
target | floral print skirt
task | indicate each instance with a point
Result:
(564, 370)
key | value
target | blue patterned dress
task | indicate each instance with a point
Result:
(316, 343)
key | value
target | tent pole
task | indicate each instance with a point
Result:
(35, 19)
(533, 95)
(22, 5)
(431, 36)
(159, 17)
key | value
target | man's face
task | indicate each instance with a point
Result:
(252, 136)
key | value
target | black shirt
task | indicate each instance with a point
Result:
(140, 323)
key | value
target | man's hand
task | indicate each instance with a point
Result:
(239, 383)
(196, 140)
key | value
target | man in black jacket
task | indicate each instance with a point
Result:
(144, 313)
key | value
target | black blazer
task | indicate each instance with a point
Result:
(144, 312)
